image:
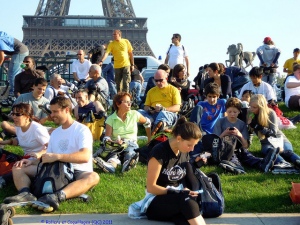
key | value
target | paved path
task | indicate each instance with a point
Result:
(116, 219)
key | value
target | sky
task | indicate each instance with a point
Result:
(207, 27)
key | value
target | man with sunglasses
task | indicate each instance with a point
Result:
(177, 54)
(80, 67)
(162, 103)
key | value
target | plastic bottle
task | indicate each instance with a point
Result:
(23, 66)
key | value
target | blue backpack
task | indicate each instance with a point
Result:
(211, 201)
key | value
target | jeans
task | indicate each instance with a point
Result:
(169, 118)
(112, 88)
(137, 87)
(14, 69)
(287, 154)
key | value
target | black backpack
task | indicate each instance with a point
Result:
(211, 201)
(144, 151)
(52, 177)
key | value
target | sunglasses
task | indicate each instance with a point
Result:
(174, 37)
(128, 102)
(158, 80)
(16, 114)
(79, 54)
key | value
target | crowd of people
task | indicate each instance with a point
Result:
(218, 114)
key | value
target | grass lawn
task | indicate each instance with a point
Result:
(252, 192)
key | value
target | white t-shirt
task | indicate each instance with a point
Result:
(264, 89)
(70, 140)
(34, 139)
(291, 91)
(51, 92)
(176, 55)
(82, 69)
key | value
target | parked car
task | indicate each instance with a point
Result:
(147, 73)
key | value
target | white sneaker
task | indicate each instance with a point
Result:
(284, 168)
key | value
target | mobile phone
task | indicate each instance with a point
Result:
(231, 128)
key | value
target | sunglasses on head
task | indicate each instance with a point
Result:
(16, 114)
(158, 80)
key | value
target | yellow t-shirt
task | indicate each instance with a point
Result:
(120, 50)
(289, 64)
(166, 96)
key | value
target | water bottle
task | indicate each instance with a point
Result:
(23, 66)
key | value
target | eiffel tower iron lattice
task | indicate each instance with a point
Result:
(52, 32)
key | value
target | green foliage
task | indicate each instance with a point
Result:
(253, 192)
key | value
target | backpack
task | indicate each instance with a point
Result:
(145, 151)
(52, 177)
(220, 148)
(211, 201)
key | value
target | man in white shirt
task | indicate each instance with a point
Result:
(80, 67)
(71, 142)
(292, 89)
(177, 54)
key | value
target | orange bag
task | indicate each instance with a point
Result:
(295, 193)
(5, 167)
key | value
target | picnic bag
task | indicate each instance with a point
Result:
(52, 177)
(211, 201)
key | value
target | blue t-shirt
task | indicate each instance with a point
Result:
(210, 115)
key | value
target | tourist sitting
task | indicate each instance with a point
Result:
(122, 129)
(31, 136)
(91, 114)
(162, 103)
(179, 80)
(71, 142)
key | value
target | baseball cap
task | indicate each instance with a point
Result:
(296, 50)
(267, 39)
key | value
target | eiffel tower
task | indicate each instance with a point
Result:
(52, 32)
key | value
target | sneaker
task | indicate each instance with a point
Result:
(232, 167)
(284, 168)
(105, 166)
(158, 127)
(295, 119)
(22, 197)
(9, 101)
(297, 164)
(130, 163)
(50, 199)
(267, 163)
(2, 182)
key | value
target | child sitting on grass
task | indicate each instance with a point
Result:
(232, 129)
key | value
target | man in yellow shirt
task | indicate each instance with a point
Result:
(122, 52)
(162, 103)
(289, 64)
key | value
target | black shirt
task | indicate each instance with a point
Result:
(173, 168)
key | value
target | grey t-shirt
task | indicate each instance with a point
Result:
(28, 98)
(223, 123)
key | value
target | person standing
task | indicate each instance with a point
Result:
(268, 55)
(109, 74)
(17, 50)
(177, 54)
(96, 53)
(122, 52)
(80, 67)
(288, 65)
